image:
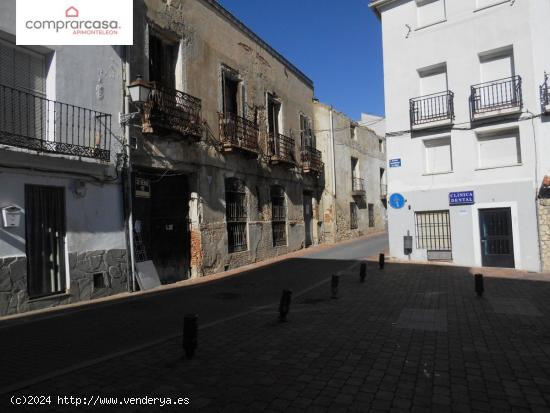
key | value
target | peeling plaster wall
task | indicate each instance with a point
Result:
(204, 49)
(336, 208)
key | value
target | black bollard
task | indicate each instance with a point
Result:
(334, 285)
(284, 304)
(363, 272)
(381, 261)
(479, 285)
(190, 332)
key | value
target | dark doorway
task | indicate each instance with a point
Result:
(161, 210)
(45, 239)
(497, 243)
(273, 109)
(308, 218)
(162, 61)
(230, 93)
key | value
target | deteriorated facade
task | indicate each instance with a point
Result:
(224, 164)
(354, 196)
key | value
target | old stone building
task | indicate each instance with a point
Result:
(354, 196)
(224, 165)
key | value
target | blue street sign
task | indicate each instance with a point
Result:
(395, 163)
(461, 198)
(397, 201)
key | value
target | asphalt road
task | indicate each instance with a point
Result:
(46, 346)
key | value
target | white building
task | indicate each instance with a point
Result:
(62, 237)
(465, 145)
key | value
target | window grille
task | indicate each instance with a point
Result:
(236, 214)
(371, 215)
(278, 212)
(353, 216)
(433, 230)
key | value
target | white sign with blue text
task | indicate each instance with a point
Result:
(461, 198)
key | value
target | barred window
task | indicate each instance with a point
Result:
(371, 215)
(353, 224)
(236, 214)
(433, 230)
(278, 213)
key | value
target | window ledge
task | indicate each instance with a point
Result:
(63, 294)
(491, 5)
(498, 167)
(425, 26)
(437, 173)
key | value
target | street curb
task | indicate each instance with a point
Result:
(72, 308)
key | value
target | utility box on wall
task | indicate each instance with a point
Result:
(408, 244)
(11, 216)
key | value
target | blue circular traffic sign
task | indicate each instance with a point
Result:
(397, 201)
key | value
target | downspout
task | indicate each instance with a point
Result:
(332, 156)
(127, 180)
(333, 176)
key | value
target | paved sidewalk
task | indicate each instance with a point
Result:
(411, 338)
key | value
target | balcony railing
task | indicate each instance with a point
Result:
(496, 98)
(170, 111)
(383, 191)
(311, 160)
(430, 109)
(238, 132)
(281, 149)
(357, 185)
(545, 95)
(33, 122)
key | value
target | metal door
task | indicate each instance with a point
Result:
(170, 228)
(497, 243)
(308, 217)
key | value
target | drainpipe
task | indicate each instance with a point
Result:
(333, 176)
(332, 156)
(128, 178)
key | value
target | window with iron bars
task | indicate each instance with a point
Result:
(433, 230)
(353, 224)
(278, 212)
(371, 215)
(236, 214)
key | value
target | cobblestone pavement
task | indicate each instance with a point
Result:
(411, 338)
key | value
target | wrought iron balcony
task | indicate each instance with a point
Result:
(383, 191)
(431, 110)
(237, 132)
(357, 186)
(170, 111)
(496, 98)
(545, 95)
(33, 122)
(281, 149)
(311, 160)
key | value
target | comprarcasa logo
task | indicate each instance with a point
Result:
(78, 26)
(80, 22)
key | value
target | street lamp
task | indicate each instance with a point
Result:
(139, 91)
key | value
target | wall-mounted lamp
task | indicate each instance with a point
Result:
(139, 91)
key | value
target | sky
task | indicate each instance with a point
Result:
(336, 44)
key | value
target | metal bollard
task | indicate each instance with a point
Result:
(381, 261)
(479, 284)
(190, 332)
(334, 285)
(363, 272)
(284, 304)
